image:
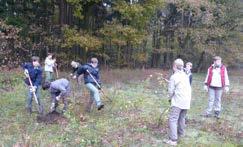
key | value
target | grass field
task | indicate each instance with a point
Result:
(131, 119)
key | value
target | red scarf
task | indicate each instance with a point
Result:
(222, 73)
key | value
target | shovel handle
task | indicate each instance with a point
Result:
(34, 94)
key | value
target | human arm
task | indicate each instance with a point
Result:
(171, 87)
(190, 79)
(227, 83)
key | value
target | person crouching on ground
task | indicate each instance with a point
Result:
(92, 82)
(34, 71)
(59, 89)
(179, 90)
(216, 80)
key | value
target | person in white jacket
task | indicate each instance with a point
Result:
(216, 81)
(50, 63)
(179, 90)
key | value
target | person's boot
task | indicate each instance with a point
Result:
(170, 142)
(216, 114)
(41, 110)
(101, 107)
(205, 114)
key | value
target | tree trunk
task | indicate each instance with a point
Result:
(61, 12)
(199, 65)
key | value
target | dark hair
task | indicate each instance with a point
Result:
(46, 85)
(53, 56)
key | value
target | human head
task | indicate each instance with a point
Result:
(35, 61)
(74, 64)
(49, 55)
(178, 64)
(217, 60)
(46, 85)
(189, 65)
(94, 62)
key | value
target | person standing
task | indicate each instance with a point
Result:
(50, 64)
(179, 90)
(34, 72)
(92, 82)
(216, 81)
(188, 71)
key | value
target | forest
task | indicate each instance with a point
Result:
(139, 73)
(122, 33)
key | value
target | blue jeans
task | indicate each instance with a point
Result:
(94, 94)
(214, 99)
(31, 97)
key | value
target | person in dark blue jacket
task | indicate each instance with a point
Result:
(34, 71)
(188, 72)
(92, 82)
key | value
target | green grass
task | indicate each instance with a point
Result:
(131, 119)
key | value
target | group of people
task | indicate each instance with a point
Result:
(60, 89)
(179, 88)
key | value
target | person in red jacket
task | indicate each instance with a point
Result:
(216, 81)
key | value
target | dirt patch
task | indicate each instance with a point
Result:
(52, 118)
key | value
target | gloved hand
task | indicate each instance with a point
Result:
(26, 72)
(205, 88)
(52, 106)
(33, 88)
(58, 98)
(74, 77)
(226, 89)
(71, 74)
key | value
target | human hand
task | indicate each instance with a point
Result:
(33, 88)
(52, 106)
(58, 98)
(26, 72)
(205, 88)
(226, 89)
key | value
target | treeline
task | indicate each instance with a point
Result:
(121, 33)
